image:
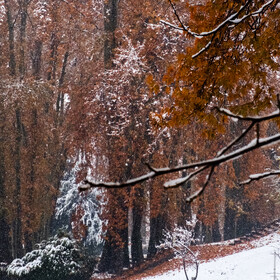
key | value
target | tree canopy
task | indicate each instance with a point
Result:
(230, 70)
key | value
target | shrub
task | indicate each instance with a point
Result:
(55, 259)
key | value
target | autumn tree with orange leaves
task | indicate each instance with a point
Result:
(122, 89)
(227, 74)
(41, 41)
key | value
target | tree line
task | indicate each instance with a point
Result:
(130, 88)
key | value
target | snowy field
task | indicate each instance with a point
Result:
(253, 264)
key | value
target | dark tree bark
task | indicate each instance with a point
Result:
(115, 254)
(10, 23)
(60, 97)
(110, 25)
(51, 75)
(22, 37)
(157, 225)
(112, 257)
(36, 57)
(5, 242)
(17, 226)
(136, 237)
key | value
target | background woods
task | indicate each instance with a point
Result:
(98, 89)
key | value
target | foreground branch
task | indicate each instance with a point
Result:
(256, 177)
(264, 142)
(232, 20)
(200, 166)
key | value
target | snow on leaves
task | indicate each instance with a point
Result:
(52, 259)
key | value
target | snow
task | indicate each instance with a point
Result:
(68, 201)
(251, 264)
(58, 252)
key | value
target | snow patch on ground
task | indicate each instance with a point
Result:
(251, 264)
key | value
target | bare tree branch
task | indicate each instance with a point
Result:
(254, 121)
(202, 189)
(256, 177)
(236, 140)
(202, 165)
(232, 20)
(171, 25)
(203, 49)
(180, 181)
(228, 113)
(177, 16)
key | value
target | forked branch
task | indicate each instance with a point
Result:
(200, 166)
(232, 20)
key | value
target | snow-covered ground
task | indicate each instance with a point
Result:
(251, 264)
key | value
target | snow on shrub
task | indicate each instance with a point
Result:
(179, 241)
(55, 259)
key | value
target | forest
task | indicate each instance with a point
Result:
(121, 120)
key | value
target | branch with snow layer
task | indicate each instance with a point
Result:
(257, 177)
(228, 113)
(254, 122)
(200, 166)
(232, 19)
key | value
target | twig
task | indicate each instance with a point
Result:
(236, 140)
(232, 19)
(202, 189)
(256, 177)
(228, 113)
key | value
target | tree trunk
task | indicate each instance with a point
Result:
(36, 57)
(10, 23)
(110, 25)
(112, 257)
(115, 252)
(5, 242)
(136, 237)
(157, 225)
(51, 75)
(17, 226)
(22, 38)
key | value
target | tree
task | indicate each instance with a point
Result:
(39, 49)
(179, 241)
(230, 40)
(227, 73)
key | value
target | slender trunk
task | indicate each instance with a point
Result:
(22, 38)
(5, 242)
(17, 224)
(29, 236)
(222, 213)
(186, 211)
(136, 237)
(51, 75)
(60, 97)
(12, 59)
(110, 25)
(36, 56)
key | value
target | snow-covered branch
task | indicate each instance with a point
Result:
(256, 177)
(171, 25)
(227, 112)
(200, 166)
(233, 19)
